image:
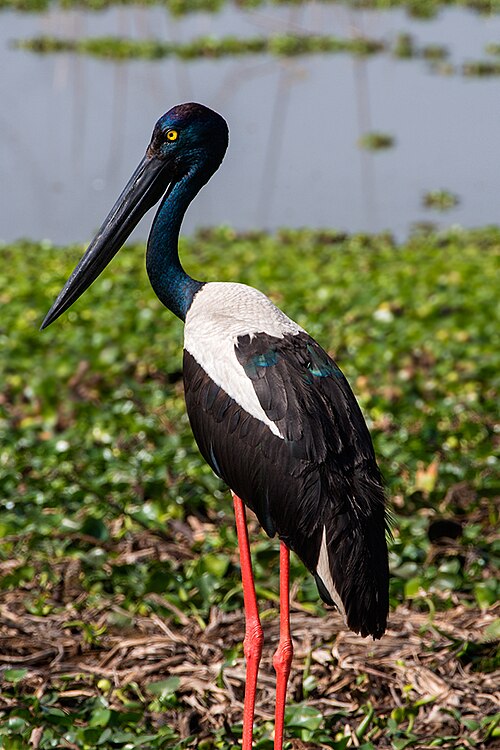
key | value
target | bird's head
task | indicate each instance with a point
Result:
(190, 139)
(189, 136)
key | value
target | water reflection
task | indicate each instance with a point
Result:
(72, 128)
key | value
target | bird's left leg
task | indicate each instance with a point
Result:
(282, 659)
(254, 637)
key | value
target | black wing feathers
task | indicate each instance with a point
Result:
(322, 473)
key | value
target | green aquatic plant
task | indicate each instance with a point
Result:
(405, 47)
(376, 141)
(416, 8)
(280, 45)
(118, 569)
(481, 68)
(434, 52)
(441, 200)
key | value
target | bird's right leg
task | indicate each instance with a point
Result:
(254, 637)
(284, 653)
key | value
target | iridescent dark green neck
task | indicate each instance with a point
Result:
(172, 285)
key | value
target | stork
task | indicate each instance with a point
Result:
(271, 412)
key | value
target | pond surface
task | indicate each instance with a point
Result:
(73, 128)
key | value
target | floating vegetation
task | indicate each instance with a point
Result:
(376, 141)
(434, 52)
(415, 8)
(484, 67)
(406, 49)
(176, 7)
(440, 200)
(422, 8)
(481, 68)
(281, 45)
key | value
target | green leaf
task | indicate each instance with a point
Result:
(164, 688)
(344, 741)
(216, 565)
(15, 675)
(15, 742)
(16, 723)
(365, 723)
(303, 716)
(486, 593)
(100, 717)
(413, 587)
(402, 743)
(492, 631)
(96, 528)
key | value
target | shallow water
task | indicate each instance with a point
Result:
(72, 128)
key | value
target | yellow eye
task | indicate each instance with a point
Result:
(172, 135)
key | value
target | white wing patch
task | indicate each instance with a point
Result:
(323, 570)
(219, 314)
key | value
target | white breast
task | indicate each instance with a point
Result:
(219, 313)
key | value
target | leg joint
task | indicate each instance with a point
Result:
(283, 656)
(254, 639)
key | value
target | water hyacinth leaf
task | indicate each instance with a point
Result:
(492, 631)
(109, 440)
(413, 587)
(95, 527)
(303, 716)
(14, 675)
(15, 723)
(216, 565)
(100, 717)
(164, 688)
(486, 593)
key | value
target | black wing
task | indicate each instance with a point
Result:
(321, 473)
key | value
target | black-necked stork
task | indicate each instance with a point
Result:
(271, 412)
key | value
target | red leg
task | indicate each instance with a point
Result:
(254, 637)
(282, 659)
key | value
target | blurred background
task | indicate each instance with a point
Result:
(359, 142)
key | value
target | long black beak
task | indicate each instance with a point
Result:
(145, 188)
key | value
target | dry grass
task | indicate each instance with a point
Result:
(418, 661)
